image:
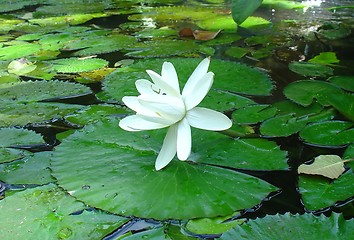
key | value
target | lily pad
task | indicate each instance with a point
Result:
(305, 91)
(33, 169)
(326, 58)
(328, 133)
(19, 51)
(282, 125)
(304, 227)
(331, 192)
(229, 77)
(210, 191)
(90, 44)
(46, 212)
(344, 82)
(221, 22)
(73, 19)
(167, 48)
(310, 69)
(75, 65)
(253, 114)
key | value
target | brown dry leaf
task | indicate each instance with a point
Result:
(186, 32)
(205, 35)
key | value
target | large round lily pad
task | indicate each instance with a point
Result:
(111, 169)
(46, 213)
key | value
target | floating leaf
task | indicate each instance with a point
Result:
(18, 51)
(205, 35)
(211, 225)
(282, 125)
(33, 169)
(347, 109)
(46, 212)
(94, 76)
(306, 227)
(331, 166)
(90, 44)
(248, 80)
(331, 192)
(157, 233)
(344, 82)
(210, 191)
(253, 114)
(326, 58)
(328, 133)
(305, 91)
(255, 23)
(21, 67)
(310, 69)
(221, 22)
(73, 19)
(333, 31)
(75, 65)
(236, 52)
(166, 48)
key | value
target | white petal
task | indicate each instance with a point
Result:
(145, 87)
(198, 73)
(184, 140)
(134, 104)
(169, 74)
(163, 86)
(208, 119)
(195, 93)
(169, 148)
(139, 123)
(165, 106)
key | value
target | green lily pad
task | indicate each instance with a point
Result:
(46, 212)
(156, 33)
(253, 114)
(8, 5)
(334, 31)
(305, 91)
(210, 191)
(306, 227)
(255, 23)
(328, 133)
(174, 13)
(21, 67)
(19, 51)
(248, 81)
(310, 69)
(237, 52)
(282, 125)
(325, 58)
(157, 233)
(211, 225)
(33, 169)
(90, 44)
(12, 137)
(167, 48)
(288, 107)
(331, 192)
(21, 114)
(349, 154)
(95, 113)
(221, 22)
(31, 91)
(344, 82)
(75, 65)
(347, 109)
(73, 19)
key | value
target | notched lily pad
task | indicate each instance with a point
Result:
(282, 125)
(306, 226)
(328, 133)
(47, 212)
(76, 65)
(253, 114)
(310, 69)
(210, 191)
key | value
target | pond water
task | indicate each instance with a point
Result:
(285, 77)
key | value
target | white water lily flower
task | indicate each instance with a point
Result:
(160, 104)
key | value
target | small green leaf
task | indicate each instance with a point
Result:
(21, 67)
(253, 114)
(344, 82)
(310, 69)
(326, 58)
(331, 166)
(328, 133)
(282, 125)
(75, 65)
(19, 51)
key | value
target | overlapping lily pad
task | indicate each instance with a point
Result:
(19, 50)
(47, 212)
(289, 226)
(328, 133)
(310, 69)
(330, 191)
(253, 114)
(75, 65)
(21, 102)
(229, 77)
(114, 171)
